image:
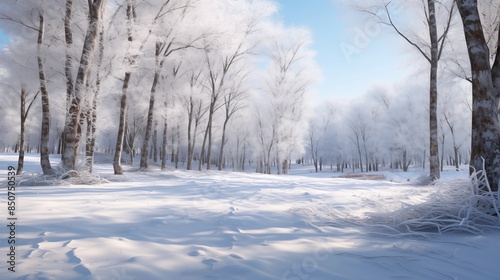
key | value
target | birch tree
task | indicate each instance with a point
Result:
(485, 94)
(134, 49)
(282, 121)
(195, 110)
(31, 24)
(432, 52)
(25, 99)
(233, 102)
(318, 126)
(168, 43)
(72, 129)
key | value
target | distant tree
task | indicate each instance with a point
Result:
(134, 49)
(318, 126)
(169, 41)
(25, 100)
(233, 102)
(282, 121)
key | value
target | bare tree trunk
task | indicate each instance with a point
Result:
(209, 130)
(202, 153)
(20, 161)
(366, 155)
(178, 146)
(155, 143)
(44, 139)
(72, 129)
(164, 146)
(149, 124)
(223, 143)
(190, 123)
(123, 100)
(92, 113)
(433, 94)
(121, 126)
(69, 65)
(24, 115)
(485, 123)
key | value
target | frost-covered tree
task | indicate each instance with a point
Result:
(282, 123)
(485, 94)
(171, 37)
(431, 48)
(72, 127)
(319, 125)
(33, 18)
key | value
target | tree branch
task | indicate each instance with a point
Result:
(391, 23)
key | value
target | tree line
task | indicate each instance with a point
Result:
(206, 84)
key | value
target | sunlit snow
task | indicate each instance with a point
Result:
(222, 225)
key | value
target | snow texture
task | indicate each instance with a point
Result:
(219, 225)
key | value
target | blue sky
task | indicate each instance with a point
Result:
(336, 30)
(3, 38)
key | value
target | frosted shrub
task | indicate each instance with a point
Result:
(80, 176)
(456, 206)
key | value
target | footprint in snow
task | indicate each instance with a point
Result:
(209, 262)
(235, 256)
(197, 253)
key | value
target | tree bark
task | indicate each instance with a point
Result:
(149, 124)
(155, 143)
(69, 61)
(118, 170)
(223, 143)
(24, 115)
(485, 124)
(164, 146)
(121, 126)
(190, 145)
(433, 94)
(45, 131)
(72, 129)
(92, 112)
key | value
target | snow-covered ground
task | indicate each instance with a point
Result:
(221, 225)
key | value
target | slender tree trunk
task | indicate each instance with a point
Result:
(433, 94)
(24, 115)
(202, 153)
(149, 123)
(190, 123)
(121, 126)
(223, 143)
(243, 158)
(123, 100)
(178, 146)
(155, 143)
(209, 148)
(164, 146)
(44, 139)
(359, 154)
(92, 113)
(485, 123)
(366, 155)
(69, 61)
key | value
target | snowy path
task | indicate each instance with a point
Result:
(220, 225)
